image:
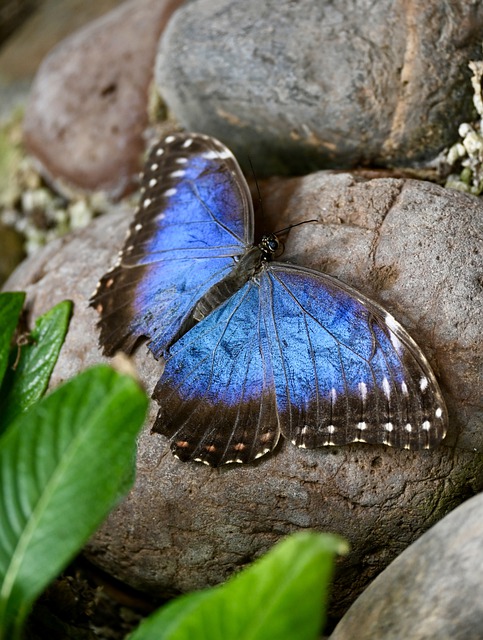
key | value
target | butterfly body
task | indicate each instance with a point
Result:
(254, 348)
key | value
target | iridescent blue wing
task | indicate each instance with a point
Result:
(217, 394)
(296, 351)
(195, 219)
(344, 369)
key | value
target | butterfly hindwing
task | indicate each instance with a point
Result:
(217, 395)
(194, 218)
(344, 369)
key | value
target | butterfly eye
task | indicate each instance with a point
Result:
(273, 243)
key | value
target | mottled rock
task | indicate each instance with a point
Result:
(432, 590)
(87, 110)
(410, 245)
(317, 84)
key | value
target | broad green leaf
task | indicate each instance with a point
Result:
(282, 596)
(11, 304)
(64, 464)
(26, 381)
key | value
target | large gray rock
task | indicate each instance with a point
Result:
(410, 245)
(432, 590)
(316, 84)
(87, 110)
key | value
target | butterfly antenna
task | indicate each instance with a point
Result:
(297, 224)
(260, 203)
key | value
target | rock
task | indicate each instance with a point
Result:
(303, 85)
(88, 106)
(432, 590)
(410, 245)
(41, 30)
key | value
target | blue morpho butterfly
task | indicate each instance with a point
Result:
(254, 348)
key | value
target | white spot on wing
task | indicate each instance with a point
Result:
(181, 160)
(426, 425)
(169, 139)
(404, 388)
(394, 327)
(386, 387)
(363, 390)
(361, 426)
(178, 174)
(138, 227)
(146, 203)
(159, 152)
(408, 428)
(210, 155)
(154, 166)
(388, 426)
(187, 143)
(170, 192)
(331, 428)
(152, 182)
(423, 383)
(439, 412)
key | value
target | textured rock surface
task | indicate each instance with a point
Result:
(300, 85)
(88, 107)
(413, 247)
(433, 590)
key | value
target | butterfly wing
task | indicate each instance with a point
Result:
(195, 217)
(217, 394)
(344, 369)
(299, 352)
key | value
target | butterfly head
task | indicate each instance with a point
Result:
(269, 246)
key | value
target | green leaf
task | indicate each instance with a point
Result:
(282, 596)
(64, 464)
(26, 382)
(11, 304)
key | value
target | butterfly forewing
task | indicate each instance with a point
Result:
(194, 218)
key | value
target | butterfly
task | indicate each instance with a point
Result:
(254, 348)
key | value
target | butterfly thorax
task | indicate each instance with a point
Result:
(246, 267)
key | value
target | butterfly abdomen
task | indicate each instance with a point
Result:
(221, 291)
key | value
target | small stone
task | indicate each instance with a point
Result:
(300, 85)
(87, 110)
